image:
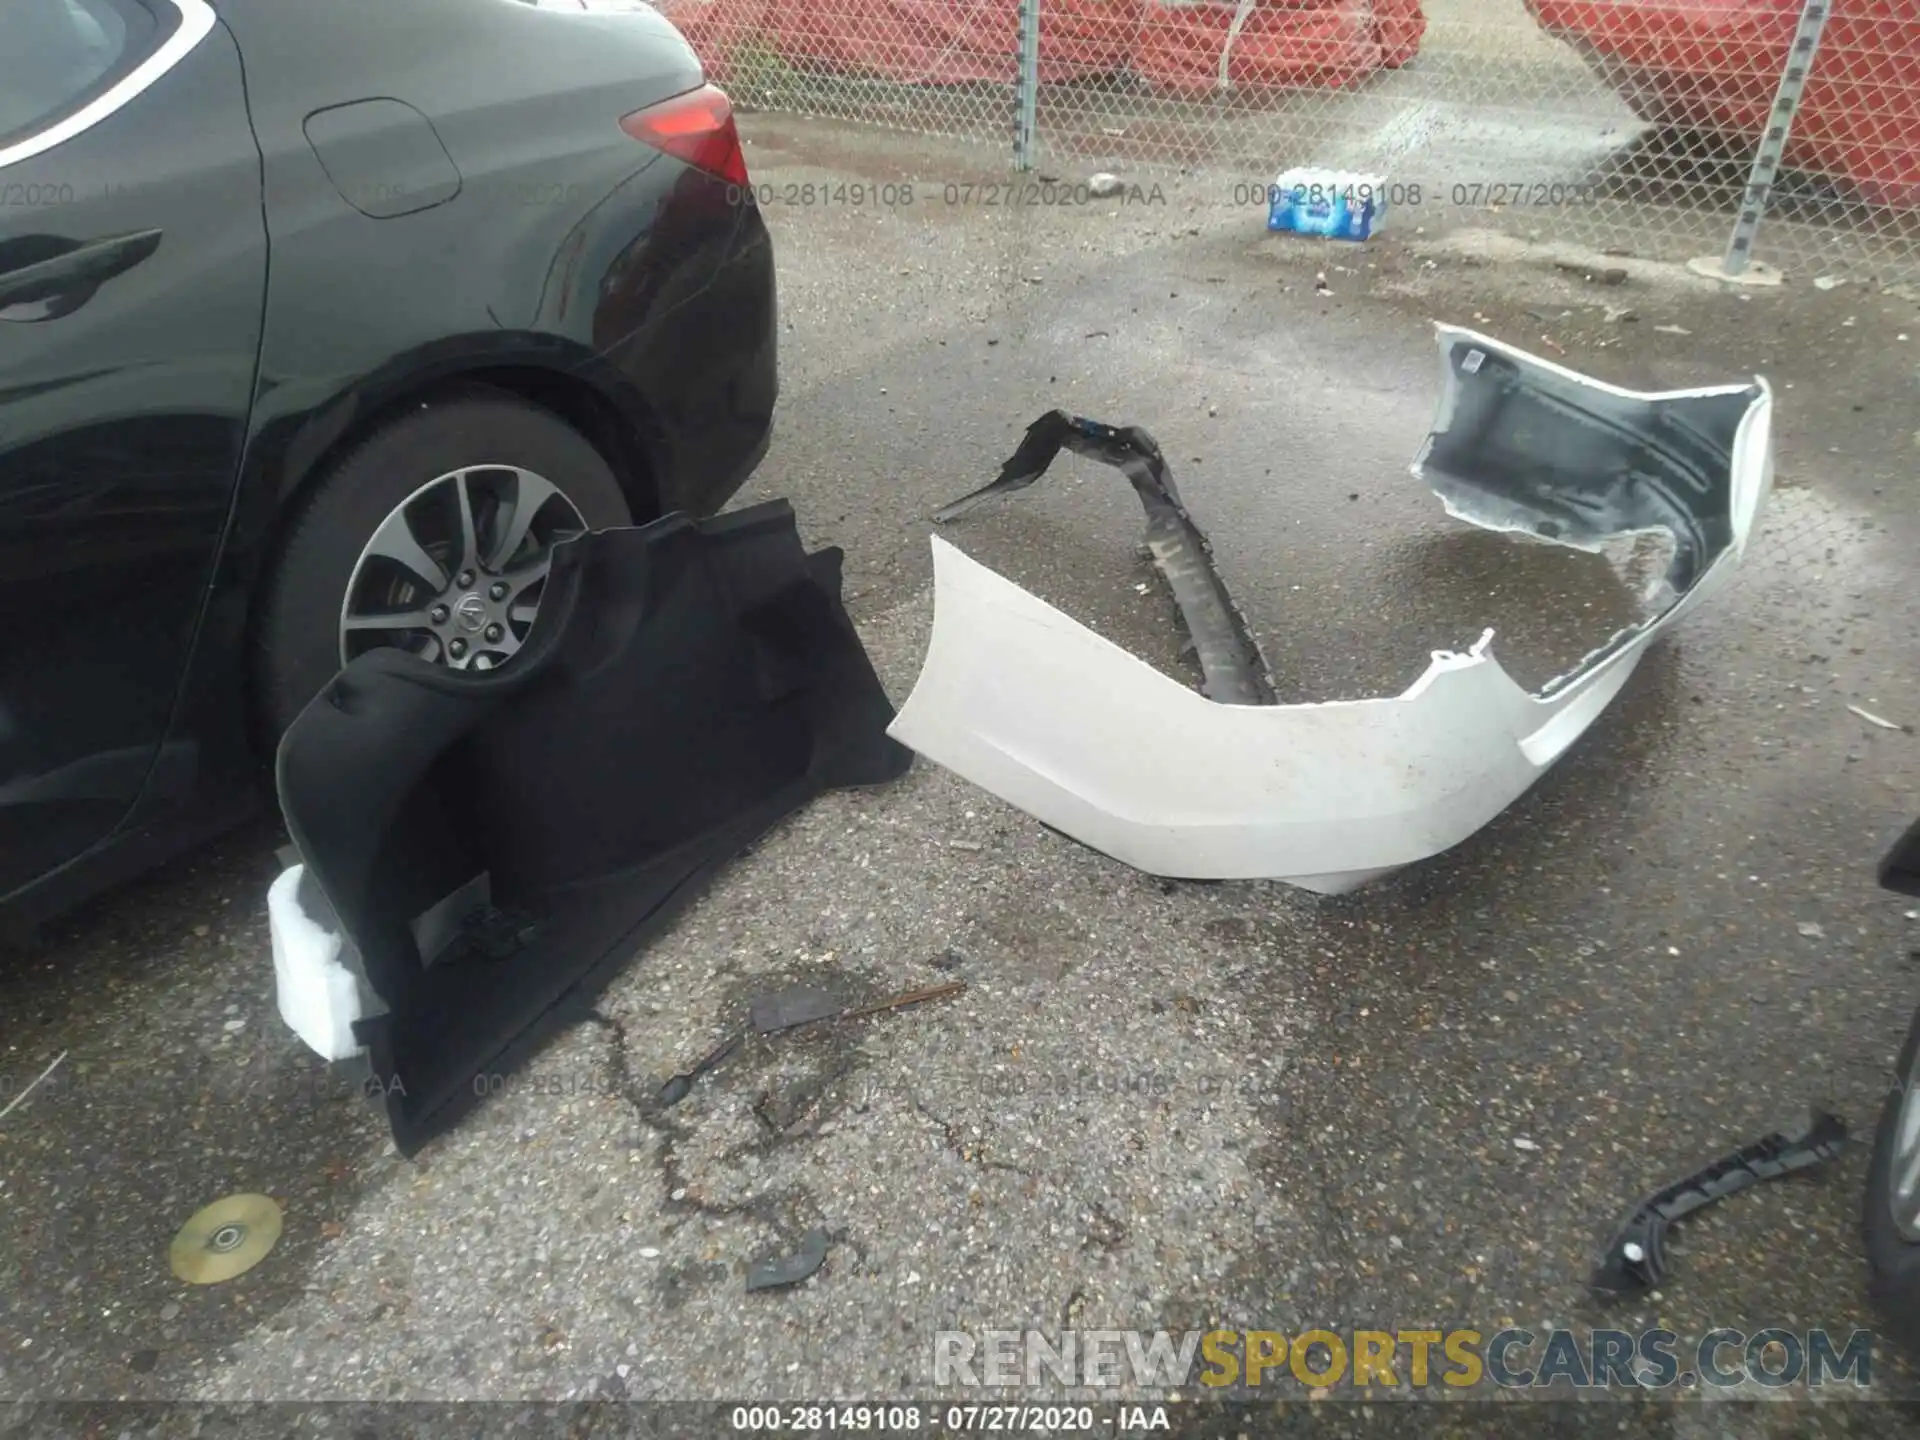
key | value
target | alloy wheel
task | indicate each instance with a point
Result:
(455, 572)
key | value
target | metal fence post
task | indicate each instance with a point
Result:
(1773, 144)
(1027, 87)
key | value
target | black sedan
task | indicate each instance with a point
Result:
(320, 324)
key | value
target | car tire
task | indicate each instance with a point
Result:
(299, 633)
(1893, 1261)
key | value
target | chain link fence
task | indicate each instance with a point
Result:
(1664, 128)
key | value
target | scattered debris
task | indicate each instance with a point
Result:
(1636, 1258)
(1873, 719)
(973, 847)
(1103, 184)
(480, 937)
(1066, 748)
(789, 1009)
(906, 998)
(791, 1269)
(678, 1087)
(1673, 330)
(1610, 275)
(225, 1239)
(1620, 315)
(794, 1006)
(1811, 930)
(1828, 282)
(1554, 345)
(1521, 1142)
(33, 1085)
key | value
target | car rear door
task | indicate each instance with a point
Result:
(133, 261)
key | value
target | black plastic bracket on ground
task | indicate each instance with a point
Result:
(1636, 1258)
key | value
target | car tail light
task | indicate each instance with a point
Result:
(696, 127)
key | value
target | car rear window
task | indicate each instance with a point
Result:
(57, 55)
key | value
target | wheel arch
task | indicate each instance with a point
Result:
(583, 391)
(579, 390)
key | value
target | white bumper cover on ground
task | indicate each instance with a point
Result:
(1091, 740)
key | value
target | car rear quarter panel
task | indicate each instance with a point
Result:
(527, 104)
(561, 219)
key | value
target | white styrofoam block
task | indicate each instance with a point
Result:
(319, 997)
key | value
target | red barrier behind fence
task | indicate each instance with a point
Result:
(911, 42)
(1196, 48)
(932, 42)
(1173, 45)
(719, 29)
(1715, 65)
(1401, 24)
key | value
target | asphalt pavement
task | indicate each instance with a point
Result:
(1155, 1105)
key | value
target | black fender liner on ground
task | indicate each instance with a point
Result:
(686, 685)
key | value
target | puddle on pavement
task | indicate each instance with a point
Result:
(1548, 606)
(180, 1085)
(1823, 543)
